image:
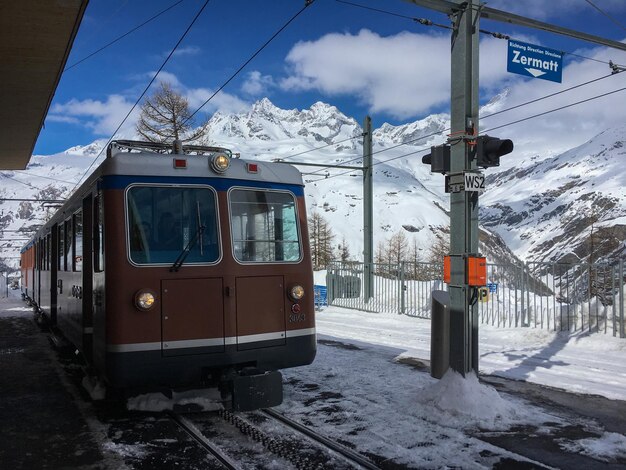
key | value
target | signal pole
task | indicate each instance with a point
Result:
(463, 204)
(464, 124)
(368, 222)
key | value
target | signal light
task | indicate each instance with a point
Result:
(438, 159)
(490, 149)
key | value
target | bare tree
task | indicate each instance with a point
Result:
(165, 117)
(439, 249)
(398, 248)
(321, 237)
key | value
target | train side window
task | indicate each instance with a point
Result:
(77, 263)
(49, 253)
(67, 264)
(61, 239)
(264, 226)
(98, 234)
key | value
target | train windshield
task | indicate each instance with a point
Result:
(264, 226)
(163, 220)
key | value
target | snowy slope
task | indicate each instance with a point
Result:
(564, 208)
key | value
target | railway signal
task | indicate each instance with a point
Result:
(490, 149)
(438, 159)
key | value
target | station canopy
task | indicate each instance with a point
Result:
(37, 36)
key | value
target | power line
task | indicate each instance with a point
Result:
(322, 147)
(488, 130)
(547, 96)
(430, 23)
(422, 21)
(613, 20)
(482, 117)
(121, 37)
(556, 109)
(145, 90)
(41, 176)
(258, 51)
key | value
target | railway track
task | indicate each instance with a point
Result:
(288, 440)
(205, 443)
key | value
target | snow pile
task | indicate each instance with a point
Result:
(468, 403)
(204, 399)
(607, 448)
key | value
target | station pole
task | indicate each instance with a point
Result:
(464, 204)
(368, 218)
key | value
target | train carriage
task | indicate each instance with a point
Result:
(174, 269)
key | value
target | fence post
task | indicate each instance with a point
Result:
(523, 295)
(402, 289)
(622, 331)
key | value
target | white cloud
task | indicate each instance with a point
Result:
(257, 84)
(187, 50)
(408, 76)
(405, 75)
(223, 102)
(102, 117)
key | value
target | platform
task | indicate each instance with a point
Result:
(41, 425)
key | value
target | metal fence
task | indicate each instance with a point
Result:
(567, 297)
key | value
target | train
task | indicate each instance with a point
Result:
(180, 266)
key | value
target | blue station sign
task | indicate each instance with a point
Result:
(534, 61)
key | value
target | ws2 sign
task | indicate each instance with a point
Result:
(474, 182)
(534, 61)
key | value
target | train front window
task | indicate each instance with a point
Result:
(264, 226)
(163, 220)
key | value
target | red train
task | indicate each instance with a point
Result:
(171, 269)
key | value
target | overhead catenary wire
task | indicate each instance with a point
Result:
(193, 21)
(324, 178)
(119, 38)
(611, 18)
(430, 23)
(422, 21)
(481, 117)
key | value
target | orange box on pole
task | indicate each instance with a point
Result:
(477, 271)
(446, 269)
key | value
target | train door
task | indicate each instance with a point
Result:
(85, 252)
(260, 311)
(98, 282)
(37, 273)
(53, 265)
(265, 237)
(192, 316)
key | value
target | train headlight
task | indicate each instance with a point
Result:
(220, 162)
(296, 292)
(144, 300)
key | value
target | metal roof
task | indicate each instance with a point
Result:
(35, 40)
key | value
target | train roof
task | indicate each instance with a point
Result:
(134, 158)
(149, 159)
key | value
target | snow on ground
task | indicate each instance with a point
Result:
(590, 363)
(356, 394)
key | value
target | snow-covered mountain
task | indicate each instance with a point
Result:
(567, 208)
(543, 207)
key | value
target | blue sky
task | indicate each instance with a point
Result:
(361, 61)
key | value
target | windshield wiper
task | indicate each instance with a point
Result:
(183, 254)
